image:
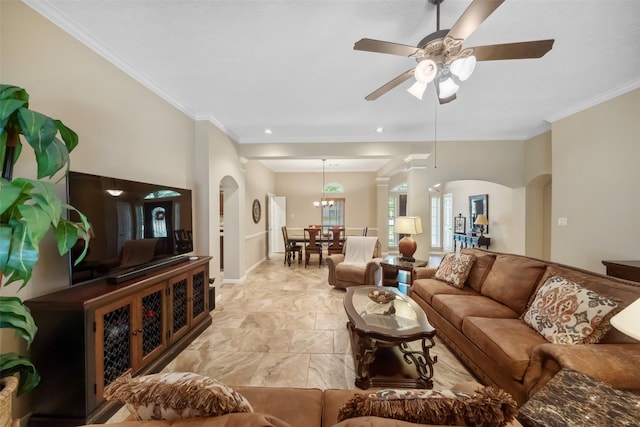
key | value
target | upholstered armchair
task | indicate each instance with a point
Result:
(357, 265)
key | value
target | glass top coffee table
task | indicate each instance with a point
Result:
(380, 337)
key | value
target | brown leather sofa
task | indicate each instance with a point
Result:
(481, 324)
(342, 275)
(295, 407)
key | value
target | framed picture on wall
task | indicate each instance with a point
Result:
(459, 224)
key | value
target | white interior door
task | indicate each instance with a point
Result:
(447, 222)
(277, 220)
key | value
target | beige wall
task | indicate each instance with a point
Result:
(595, 184)
(302, 189)
(119, 122)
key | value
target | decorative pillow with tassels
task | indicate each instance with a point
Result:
(486, 407)
(176, 395)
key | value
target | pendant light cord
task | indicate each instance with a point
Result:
(435, 137)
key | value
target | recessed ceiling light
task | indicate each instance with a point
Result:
(268, 131)
(380, 130)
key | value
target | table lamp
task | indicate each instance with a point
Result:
(628, 320)
(481, 220)
(407, 225)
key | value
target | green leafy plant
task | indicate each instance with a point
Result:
(28, 210)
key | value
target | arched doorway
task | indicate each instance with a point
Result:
(230, 229)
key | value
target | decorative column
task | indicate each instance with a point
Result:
(382, 214)
(418, 201)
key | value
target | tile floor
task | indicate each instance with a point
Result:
(285, 327)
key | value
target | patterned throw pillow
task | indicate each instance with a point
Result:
(455, 268)
(176, 395)
(486, 407)
(566, 313)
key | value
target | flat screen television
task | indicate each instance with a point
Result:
(136, 227)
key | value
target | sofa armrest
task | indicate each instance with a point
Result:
(424, 272)
(370, 271)
(332, 261)
(610, 363)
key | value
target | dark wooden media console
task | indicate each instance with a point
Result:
(90, 335)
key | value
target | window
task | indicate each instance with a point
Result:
(397, 207)
(436, 240)
(333, 210)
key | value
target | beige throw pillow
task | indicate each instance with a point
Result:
(176, 395)
(566, 313)
(455, 268)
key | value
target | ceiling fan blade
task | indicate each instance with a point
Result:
(472, 17)
(380, 46)
(389, 85)
(520, 50)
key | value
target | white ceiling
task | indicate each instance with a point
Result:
(289, 65)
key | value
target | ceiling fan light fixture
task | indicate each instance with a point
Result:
(462, 68)
(417, 89)
(425, 71)
(446, 87)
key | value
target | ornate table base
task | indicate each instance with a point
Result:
(382, 363)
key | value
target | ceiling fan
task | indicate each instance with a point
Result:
(442, 59)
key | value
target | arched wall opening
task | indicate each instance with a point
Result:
(230, 229)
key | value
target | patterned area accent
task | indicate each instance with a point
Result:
(173, 396)
(486, 407)
(566, 313)
(455, 268)
(574, 399)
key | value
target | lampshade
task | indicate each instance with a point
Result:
(417, 89)
(447, 87)
(407, 225)
(425, 72)
(628, 320)
(463, 68)
(481, 220)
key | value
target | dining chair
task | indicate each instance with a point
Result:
(365, 230)
(336, 242)
(290, 248)
(313, 245)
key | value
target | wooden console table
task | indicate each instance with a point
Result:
(469, 241)
(629, 270)
(89, 335)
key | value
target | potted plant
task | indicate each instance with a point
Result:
(28, 210)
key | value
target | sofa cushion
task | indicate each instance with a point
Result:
(296, 406)
(488, 406)
(454, 268)
(455, 308)
(244, 419)
(175, 395)
(508, 342)
(566, 313)
(512, 279)
(481, 266)
(427, 288)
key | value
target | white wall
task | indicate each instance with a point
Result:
(506, 211)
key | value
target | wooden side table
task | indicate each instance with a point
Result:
(629, 270)
(392, 265)
(572, 398)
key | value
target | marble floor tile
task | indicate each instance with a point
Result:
(285, 327)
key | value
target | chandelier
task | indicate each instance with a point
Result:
(323, 202)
